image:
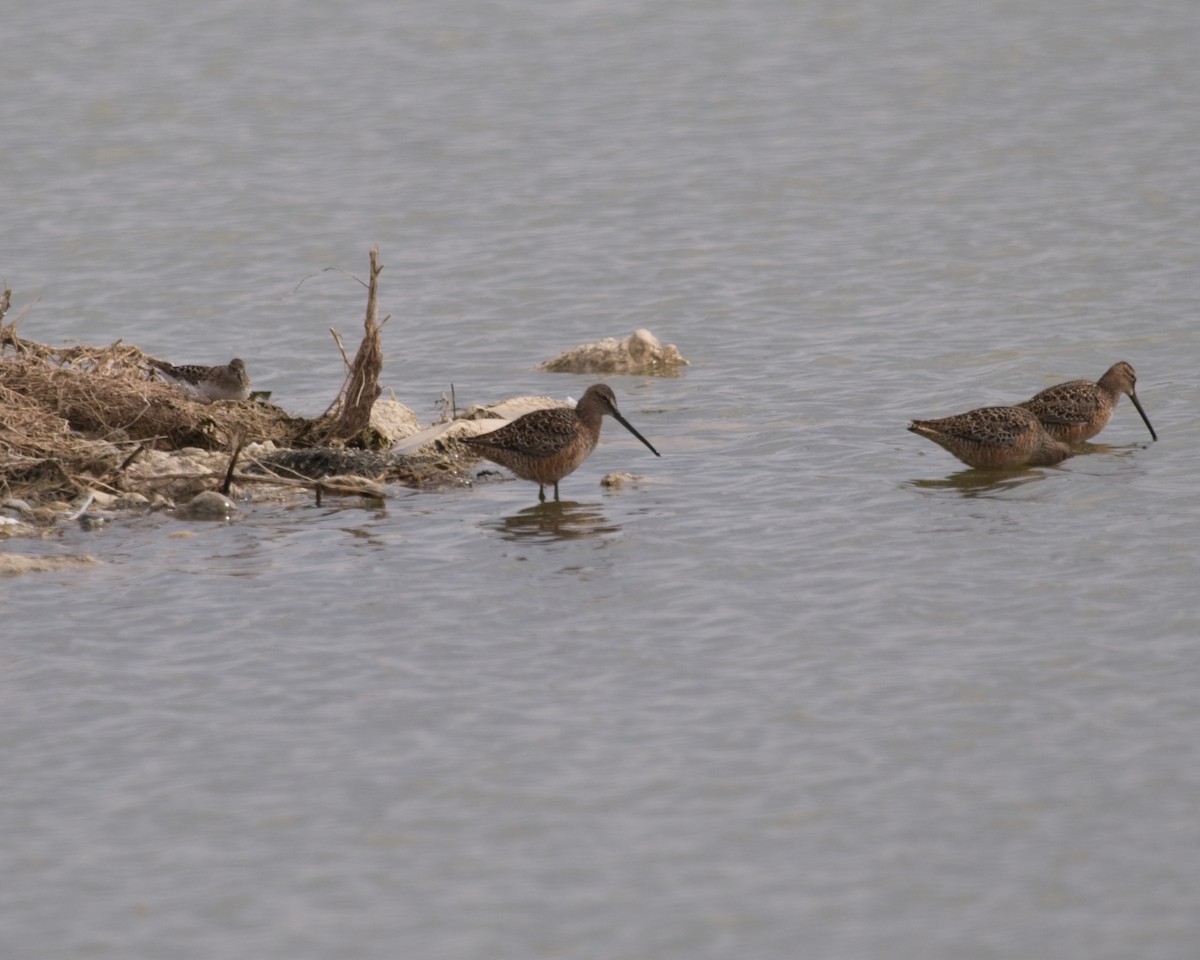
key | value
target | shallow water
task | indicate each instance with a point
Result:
(809, 688)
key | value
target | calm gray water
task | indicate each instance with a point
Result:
(806, 691)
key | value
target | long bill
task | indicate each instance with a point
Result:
(629, 426)
(1145, 419)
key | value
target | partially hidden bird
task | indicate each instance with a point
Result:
(995, 438)
(227, 381)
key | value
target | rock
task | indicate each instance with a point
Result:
(208, 505)
(618, 479)
(259, 449)
(102, 499)
(10, 527)
(179, 474)
(424, 442)
(392, 421)
(640, 354)
(511, 409)
(351, 486)
(12, 564)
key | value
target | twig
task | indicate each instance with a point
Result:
(337, 338)
(141, 447)
(10, 332)
(237, 449)
(124, 463)
(304, 280)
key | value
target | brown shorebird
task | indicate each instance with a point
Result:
(1079, 409)
(546, 445)
(995, 438)
(206, 384)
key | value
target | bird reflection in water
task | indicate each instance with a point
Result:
(983, 483)
(556, 520)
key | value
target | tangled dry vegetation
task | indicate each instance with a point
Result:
(84, 422)
(74, 419)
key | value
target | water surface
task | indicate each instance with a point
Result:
(809, 688)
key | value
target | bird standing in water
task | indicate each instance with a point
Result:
(546, 445)
(994, 438)
(1079, 409)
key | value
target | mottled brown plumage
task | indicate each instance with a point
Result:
(226, 382)
(1079, 409)
(546, 445)
(994, 438)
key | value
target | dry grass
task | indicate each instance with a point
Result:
(71, 416)
(107, 394)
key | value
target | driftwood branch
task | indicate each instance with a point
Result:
(361, 388)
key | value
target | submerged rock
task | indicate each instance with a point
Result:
(12, 564)
(132, 501)
(618, 479)
(208, 505)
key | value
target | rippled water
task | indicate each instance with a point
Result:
(809, 689)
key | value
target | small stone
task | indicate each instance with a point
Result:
(618, 479)
(208, 505)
